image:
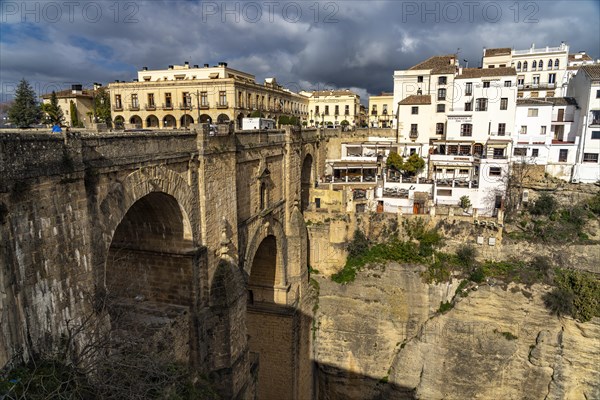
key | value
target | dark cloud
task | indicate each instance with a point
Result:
(306, 45)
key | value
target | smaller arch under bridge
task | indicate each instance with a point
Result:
(188, 246)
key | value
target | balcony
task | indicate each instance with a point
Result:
(481, 108)
(150, 107)
(117, 107)
(563, 118)
(167, 106)
(222, 105)
(500, 133)
(185, 106)
(204, 106)
(134, 107)
(595, 122)
(414, 134)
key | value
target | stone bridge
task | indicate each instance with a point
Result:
(197, 239)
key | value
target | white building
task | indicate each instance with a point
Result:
(541, 72)
(585, 88)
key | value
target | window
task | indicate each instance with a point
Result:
(598, 94)
(317, 110)
(412, 151)
(468, 89)
(469, 106)
(504, 103)
(481, 104)
(540, 65)
(326, 110)
(550, 93)
(519, 95)
(549, 64)
(486, 84)
(534, 94)
(439, 128)
(203, 99)
(419, 79)
(222, 98)
(168, 103)
(501, 129)
(441, 94)
(442, 80)
(187, 100)
(536, 80)
(150, 99)
(414, 131)
(532, 112)
(519, 66)
(562, 155)
(543, 130)
(337, 110)
(523, 130)
(134, 101)
(499, 153)
(552, 78)
(414, 110)
(520, 80)
(556, 64)
(534, 65)
(263, 196)
(118, 103)
(595, 134)
(463, 171)
(595, 117)
(466, 130)
(507, 83)
(347, 109)
(535, 152)
(520, 151)
(495, 171)
(525, 66)
(590, 157)
(441, 108)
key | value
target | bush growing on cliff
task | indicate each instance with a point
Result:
(359, 244)
(577, 293)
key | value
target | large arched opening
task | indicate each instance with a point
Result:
(306, 181)
(149, 280)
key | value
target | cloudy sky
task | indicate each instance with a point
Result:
(306, 45)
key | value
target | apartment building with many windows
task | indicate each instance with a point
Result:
(585, 88)
(182, 95)
(330, 108)
(381, 110)
(541, 72)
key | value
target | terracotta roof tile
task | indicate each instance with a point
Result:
(69, 93)
(547, 101)
(581, 57)
(469, 73)
(436, 62)
(416, 99)
(593, 71)
(346, 92)
(501, 51)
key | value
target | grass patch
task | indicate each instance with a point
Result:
(445, 306)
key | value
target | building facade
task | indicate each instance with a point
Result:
(381, 110)
(77, 105)
(182, 95)
(330, 108)
(541, 72)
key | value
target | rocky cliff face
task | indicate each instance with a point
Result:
(382, 337)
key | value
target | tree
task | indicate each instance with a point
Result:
(345, 123)
(257, 114)
(54, 114)
(283, 120)
(75, 123)
(25, 110)
(394, 161)
(413, 165)
(102, 105)
(465, 202)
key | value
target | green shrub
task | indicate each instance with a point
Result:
(593, 204)
(582, 289)
(465, 255)
(445, 306)
(477, 276)
(544, 205)
(559, 301)
(359, 244)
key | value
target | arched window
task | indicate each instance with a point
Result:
(519, 66)
(534, 65)
(549, 64)
(541, 65)
(525, 66)
(556, 64)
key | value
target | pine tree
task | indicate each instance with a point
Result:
(25, 110)
(54, 114)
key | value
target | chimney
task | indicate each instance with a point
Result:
(222, 64)
(186, 64)
(170, 67)
(135, 79)
(76, 88)
(196, 66)
(144, 68)
(205, 65)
